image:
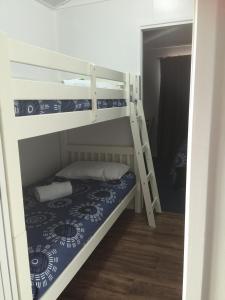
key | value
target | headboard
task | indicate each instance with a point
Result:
(124, 154)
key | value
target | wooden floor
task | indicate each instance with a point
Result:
(134, 262)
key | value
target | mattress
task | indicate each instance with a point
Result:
(39, 107)
(58, 229)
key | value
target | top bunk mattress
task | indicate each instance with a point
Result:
(40, 107)
(58, 229)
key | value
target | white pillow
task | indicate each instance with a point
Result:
(98, 170)
(113, 170)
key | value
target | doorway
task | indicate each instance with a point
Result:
(166, 70)
(166, 66)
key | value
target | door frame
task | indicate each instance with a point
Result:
(194, 244)
(155, 26)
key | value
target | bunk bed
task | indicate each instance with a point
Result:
(31, 108)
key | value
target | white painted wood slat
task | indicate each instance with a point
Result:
(110, 94)
(105, 73)
(31, 126)
(31, 55)
(111, 113)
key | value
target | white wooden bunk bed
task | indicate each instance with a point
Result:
(16, 126)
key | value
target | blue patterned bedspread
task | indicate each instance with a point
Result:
(40, 107)
(57, 230)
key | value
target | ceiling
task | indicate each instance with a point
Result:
(56, 4)
(168, 36)
(53, 3)
(84, 2)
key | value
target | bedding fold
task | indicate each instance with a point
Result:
(53, 191)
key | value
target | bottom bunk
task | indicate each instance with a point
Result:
(62, 233)
(58, 229)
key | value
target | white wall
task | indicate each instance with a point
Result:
(108, 34)
(151, 82)
(40, 157)
(31, 22)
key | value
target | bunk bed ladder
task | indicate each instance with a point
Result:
(144, 160)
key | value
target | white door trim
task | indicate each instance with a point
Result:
(166, 24)
(153, 26)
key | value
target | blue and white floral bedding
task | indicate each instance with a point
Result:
(58, 229)
(40, 107)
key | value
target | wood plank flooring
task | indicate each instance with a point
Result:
(133, 262)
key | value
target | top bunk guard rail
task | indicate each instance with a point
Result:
(27, 89)
(35, 56)
(108, 74)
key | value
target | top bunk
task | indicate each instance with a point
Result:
(79, 93)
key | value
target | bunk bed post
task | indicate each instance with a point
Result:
(93, 92)
(138, 203)
(128, 92)
(139, 189)
(13, 175)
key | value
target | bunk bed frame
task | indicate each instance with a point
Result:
(15, 128)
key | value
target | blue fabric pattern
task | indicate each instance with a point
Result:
(75, 105)
(26, 107)
(109, 103)
(38, 107)
(58, 229)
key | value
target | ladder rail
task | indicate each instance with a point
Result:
(148, 157)
(141, 167)
(143, 154)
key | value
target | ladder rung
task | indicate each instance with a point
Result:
(144, 147)
(145, 164)
(149, 176)
(139, 117)
(154, 203)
